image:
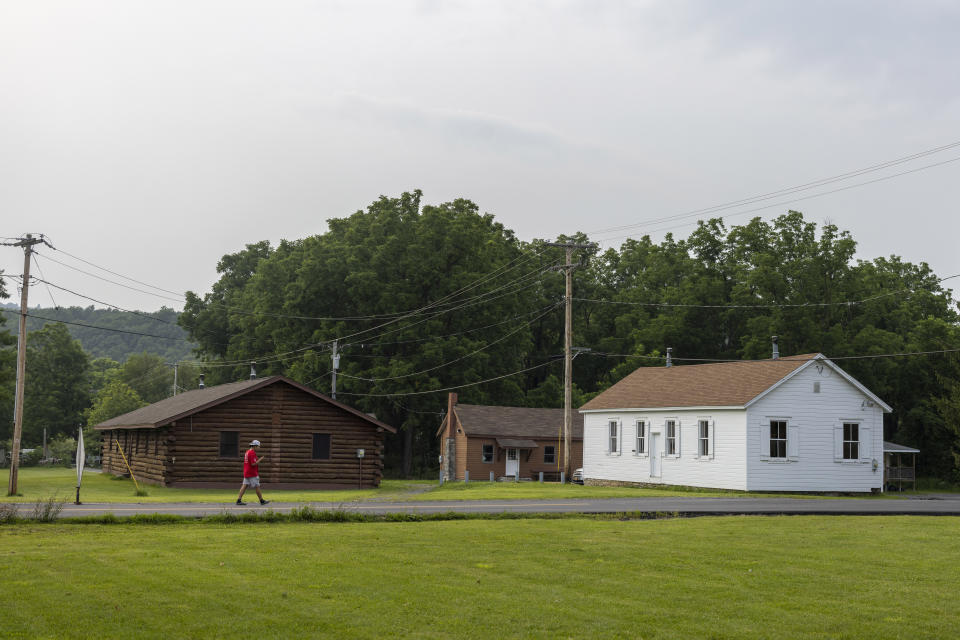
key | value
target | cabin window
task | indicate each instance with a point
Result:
(816, 387)
(229, 444)
(703, 439)
(670, 426)
(641, 437)
(851, 441)
(321, 446)
(614, 428)
(549, 454)
(486, 453)
(778, 439)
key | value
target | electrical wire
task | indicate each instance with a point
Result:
(788, 190)
(92, 326)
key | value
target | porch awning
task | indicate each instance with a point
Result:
(892, 447)
(516, 443)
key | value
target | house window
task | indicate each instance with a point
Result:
(641, 437)
(486, 453)
(816, 387)
(229, 444)
(670, 426)
(321, 446)
(703, 439)
(778, 438)
(614, 428)
(851, 441)
(550, 454)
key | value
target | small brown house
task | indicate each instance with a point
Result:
(198, 438)
(512, 442)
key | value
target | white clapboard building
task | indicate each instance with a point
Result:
(796, 423)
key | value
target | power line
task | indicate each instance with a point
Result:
(92, 326)
(463, 357)
(462, 386)
(781, 360)
(765, 306)
(784, 202)
(798, 188)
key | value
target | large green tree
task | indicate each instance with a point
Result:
(56, 386)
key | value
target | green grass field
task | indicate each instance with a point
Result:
(36, 483)
(730, 577)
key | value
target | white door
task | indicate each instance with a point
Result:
(654, 455)
(513, 462)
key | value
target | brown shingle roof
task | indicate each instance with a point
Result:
(184, 404)
(700, 385)
(515, 422)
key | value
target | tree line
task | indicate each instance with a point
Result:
(422, 298)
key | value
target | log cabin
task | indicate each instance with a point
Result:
(198, 438)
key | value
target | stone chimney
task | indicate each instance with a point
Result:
(776, 348)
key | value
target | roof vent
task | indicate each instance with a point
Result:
(253, 370)
(669, 356)
(776, 348)
(201, 381)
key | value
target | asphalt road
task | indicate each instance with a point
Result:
(941, 504)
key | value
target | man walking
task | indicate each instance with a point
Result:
(251, 472)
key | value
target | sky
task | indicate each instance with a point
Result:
(151, 138)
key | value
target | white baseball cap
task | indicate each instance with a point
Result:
(255, 443)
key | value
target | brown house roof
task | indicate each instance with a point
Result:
(515, 422)
(190, 402)
(718, 384)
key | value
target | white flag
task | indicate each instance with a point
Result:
(81, 457)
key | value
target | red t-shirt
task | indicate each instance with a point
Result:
(250, 467)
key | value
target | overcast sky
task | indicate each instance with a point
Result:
(153, 137)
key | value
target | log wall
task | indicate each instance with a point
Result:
(283, 419)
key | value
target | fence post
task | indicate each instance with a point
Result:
(541, 477)
(466, 476)
(441, 477)
(491, 476)
(562, 479)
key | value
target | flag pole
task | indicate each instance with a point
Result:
(81, 458)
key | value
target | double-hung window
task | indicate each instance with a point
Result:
(851, 441)
(321, 446)
(670, 437)
(778, 439)
(486, 453)
(549, 454)
(703, 438)
(229, 444)
(613, 427)
(641, 437)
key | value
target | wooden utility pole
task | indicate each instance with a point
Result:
(27, 243)
(335, 357)
(568, 348)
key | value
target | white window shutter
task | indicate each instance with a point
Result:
(793, 441)
(838, 442)
(866, 439)
(765, 440)
(619, 436)
(712, 439)
(679, 431)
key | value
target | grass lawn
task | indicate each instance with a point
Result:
(36, 484)
(40, 483)
(730, 577)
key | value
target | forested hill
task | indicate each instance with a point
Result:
(121, 335)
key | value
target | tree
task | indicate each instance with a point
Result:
(113, 400)
(56, 391)
(149, 375)
(8, 371)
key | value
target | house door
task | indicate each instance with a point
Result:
(654, 455)
(513, 462)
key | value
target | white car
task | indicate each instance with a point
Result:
(577, 477)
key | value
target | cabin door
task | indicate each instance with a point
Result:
(654, 455)
(513, 462)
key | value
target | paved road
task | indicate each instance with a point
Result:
(930, 505)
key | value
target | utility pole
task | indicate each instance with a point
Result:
(175, 377)
(336, 365)
(27, 243)
(567, 347)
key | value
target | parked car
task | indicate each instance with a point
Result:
(577, 476)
